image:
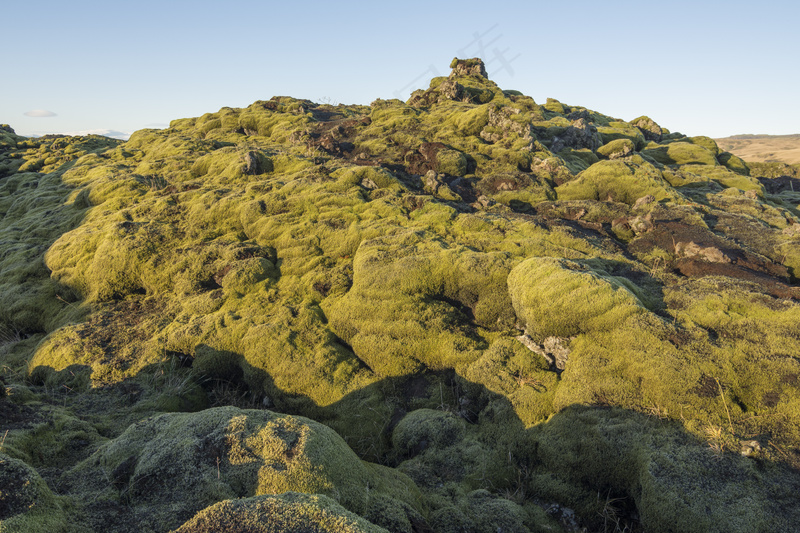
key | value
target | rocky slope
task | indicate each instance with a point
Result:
(465, 312)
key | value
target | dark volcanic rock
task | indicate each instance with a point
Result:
(580, 134)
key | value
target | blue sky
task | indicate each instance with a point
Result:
(700, 67)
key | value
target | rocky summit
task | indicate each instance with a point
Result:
(467, 312)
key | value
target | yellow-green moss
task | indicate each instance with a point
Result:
(619, 181)
(681, 153)
(560, 298)
(291, 512)
(616, 149)
(621, 130)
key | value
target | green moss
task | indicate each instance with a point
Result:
(426, 427)
(289, 512)
(616, 149)
(649, 128)
(706, 142)
(621, 130)
(619, 181)
(577, 160)
(681, 153)
(418, 290)
(473, 121)
(734, 163)
(726, 178)
(675, 484)
(26, 503)
(451, 162)
(562, 298)
(555, 106)
(511, 370)
(226, 453)
(59, 442)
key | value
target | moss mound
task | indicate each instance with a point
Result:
(675, 483)
(562, 298)
(291, 512)
(682, 153)
(26, 503)
(619, 181)
(421, 290)
(225, 453)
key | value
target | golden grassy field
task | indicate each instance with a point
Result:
(764, 148)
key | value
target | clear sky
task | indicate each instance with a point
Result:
(714, 68)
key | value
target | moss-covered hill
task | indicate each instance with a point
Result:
(465, 312)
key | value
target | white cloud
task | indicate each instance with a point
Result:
(40, 113)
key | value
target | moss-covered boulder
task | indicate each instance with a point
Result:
(226, 453)
(616, 149)
(621, 130)
(26, 502)
(682, 153)
(734, 163)
(618, 181)
(706, 142)
(649, 128)
(291, 512)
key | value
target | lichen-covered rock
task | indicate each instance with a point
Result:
(468, 67)
(467, 82)
(579, 134)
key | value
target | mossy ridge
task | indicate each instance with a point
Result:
(37, 208)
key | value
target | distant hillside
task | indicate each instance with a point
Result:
(764, 148)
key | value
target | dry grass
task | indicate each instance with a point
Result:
(764, 148)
